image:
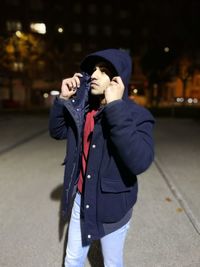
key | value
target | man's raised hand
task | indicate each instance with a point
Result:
(70, 86)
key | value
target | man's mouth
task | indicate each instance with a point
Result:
(93, 84)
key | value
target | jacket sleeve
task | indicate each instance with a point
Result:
(57, 123)
(130, 128)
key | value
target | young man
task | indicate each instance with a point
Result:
(109, 142)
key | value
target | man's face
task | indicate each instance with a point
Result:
(100, 78)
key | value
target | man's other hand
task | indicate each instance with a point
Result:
(115, 90)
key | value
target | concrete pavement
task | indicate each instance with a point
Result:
(178, 155)
(20, 128)
(164, 229)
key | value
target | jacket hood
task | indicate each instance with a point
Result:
(119, 59)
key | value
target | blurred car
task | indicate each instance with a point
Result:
(188, 100)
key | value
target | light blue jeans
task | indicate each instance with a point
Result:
(112, 244)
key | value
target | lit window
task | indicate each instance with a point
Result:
(38, 27)
(54, 92)
(197, 81)
(18, 66)
(92, 29)
(13, 26)
(77, 47)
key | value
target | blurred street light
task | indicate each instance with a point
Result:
(166, 49)
(60, 30)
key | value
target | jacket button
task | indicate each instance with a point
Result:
(87, 206)
(73, 100)
(94, 146)
(89, 236)
(88, 176)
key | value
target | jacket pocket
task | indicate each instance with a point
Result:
(113, 186)
(114, 200)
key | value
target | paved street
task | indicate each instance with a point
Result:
(165, 229)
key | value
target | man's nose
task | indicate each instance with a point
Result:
(94, 75)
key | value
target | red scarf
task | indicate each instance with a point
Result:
(87, 134)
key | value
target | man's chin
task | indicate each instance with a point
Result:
(94, 92)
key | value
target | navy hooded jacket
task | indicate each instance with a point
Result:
(121, 148)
